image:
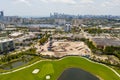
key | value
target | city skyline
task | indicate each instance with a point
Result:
(73, 7)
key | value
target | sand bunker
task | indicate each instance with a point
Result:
(35, 71)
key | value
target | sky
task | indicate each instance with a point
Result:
(45, 7)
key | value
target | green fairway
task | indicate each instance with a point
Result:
(46, 70)
(55, 68)
(116, 68)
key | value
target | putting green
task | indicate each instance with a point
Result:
(55, 68)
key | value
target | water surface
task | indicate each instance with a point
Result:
(76, 74)
(17, 63)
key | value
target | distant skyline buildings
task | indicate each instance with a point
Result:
(1, 13)
(43, 8)
(55, 15)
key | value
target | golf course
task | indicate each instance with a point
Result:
(55, 68)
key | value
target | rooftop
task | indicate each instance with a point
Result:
(106, 42)
(16, 34)
(5, 40)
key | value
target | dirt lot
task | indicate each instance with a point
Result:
(63, 48)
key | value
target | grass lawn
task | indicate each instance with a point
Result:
(36, 58)
(116, 68)
(46, 70)
(55, 68)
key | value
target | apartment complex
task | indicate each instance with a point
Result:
(2, 26)
(6, 45)
(67, 28)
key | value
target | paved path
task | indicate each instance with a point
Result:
(22, 68)
(57, 60)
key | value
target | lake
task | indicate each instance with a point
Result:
(17, 63)
(76, 74)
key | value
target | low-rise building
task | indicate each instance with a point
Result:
(34, 29)
(103, 42)
(15, 34)
(25, 40)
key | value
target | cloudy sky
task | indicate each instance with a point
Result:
(45, 7)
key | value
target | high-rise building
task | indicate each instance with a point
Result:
(67, 27)
(1, 15)
(2, 26)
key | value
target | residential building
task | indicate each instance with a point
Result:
(6, 45)
(67, 28)
(60, 21)
(2, 26)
